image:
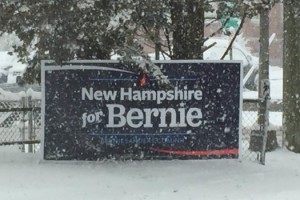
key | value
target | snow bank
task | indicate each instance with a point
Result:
(23, 176)
(12, 96)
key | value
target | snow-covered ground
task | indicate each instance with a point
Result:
(24, 176)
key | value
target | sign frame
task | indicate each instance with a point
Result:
(50, 65)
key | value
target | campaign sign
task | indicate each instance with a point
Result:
(109, 110)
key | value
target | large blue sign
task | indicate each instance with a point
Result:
(102, 110)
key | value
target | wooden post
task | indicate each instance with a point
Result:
(264, 85)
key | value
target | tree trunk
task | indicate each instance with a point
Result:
(188, 29)
(291, 75)
(179, 31)
(196, 29)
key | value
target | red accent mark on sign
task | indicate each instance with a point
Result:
(143, 80)
(221, 152)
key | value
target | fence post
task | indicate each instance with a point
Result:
(264, 117)
(23, 102)
(30, 133)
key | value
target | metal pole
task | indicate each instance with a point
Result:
(30, 133)
(265, 118)
(23, 101)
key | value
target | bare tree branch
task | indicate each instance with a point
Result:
(235, 35)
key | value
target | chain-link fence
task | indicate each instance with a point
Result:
(252, 133)
(249, 124)
(20, 122)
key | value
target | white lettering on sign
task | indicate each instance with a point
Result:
(91, 118)
(98, 94)
(136, 118)
(160, 95)
(119, 116)
(141, 95)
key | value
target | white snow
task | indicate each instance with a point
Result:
(24, 176)
(11, 66)
(239, 51)
(276, 86)
(11, 96)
